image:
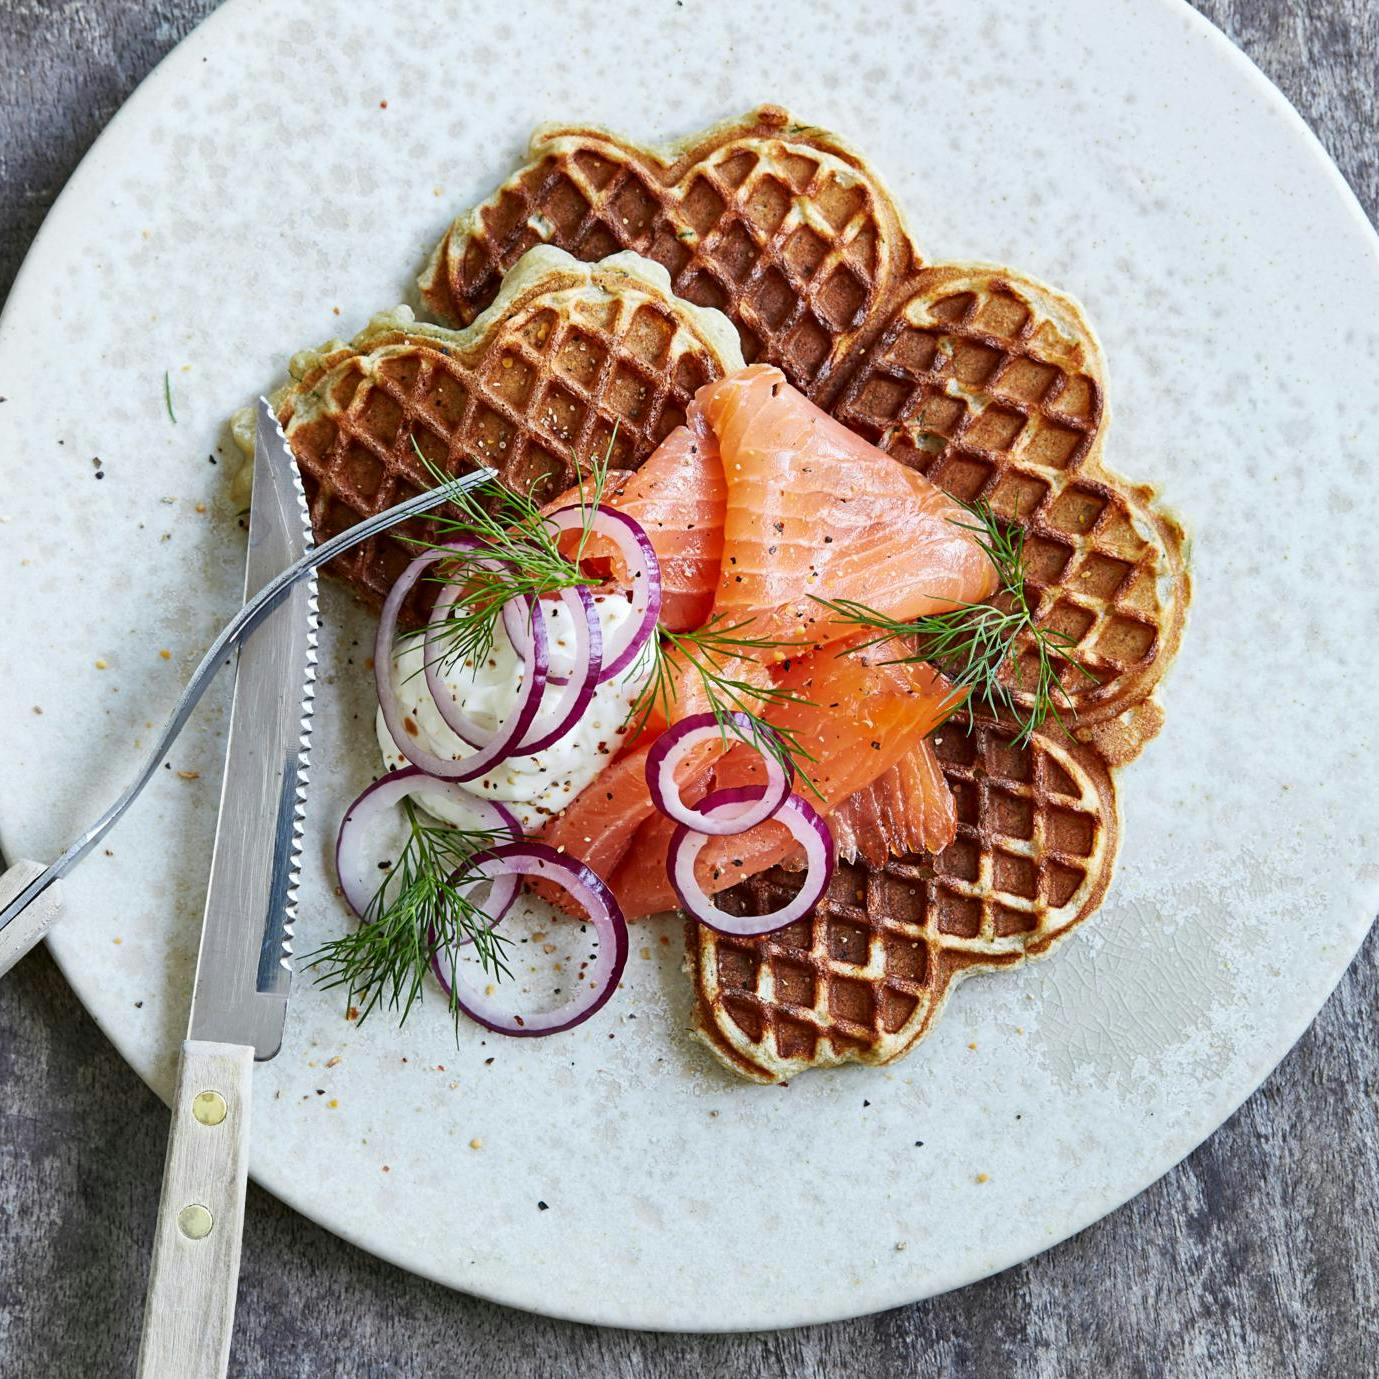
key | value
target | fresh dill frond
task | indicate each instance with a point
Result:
(709, 652)
(167, 396)
(520, 555)
(971, 644)
(421, 909)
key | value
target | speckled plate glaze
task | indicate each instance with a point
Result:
(282, 175)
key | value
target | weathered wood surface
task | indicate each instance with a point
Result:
(1254, 1259)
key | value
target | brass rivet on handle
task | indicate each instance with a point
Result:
(209, 1108)
(195, 1222)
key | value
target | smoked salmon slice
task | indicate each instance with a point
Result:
(679, 496)
(759, 505)
(857, 715)
(906, 809)
(814, 510)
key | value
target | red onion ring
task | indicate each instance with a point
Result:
(808, 828)
(500, 746)
(534, 678)
(358, 868)
(578, 691)
(669, 750)
(643, 573)
(542, 862)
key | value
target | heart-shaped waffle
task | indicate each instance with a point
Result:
(568, 360)
(864, 977)
(778, 225)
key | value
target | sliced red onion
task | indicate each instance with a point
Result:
(807, 827)
(500, 747)
(539, 861)
(556, 719)
(357, 860)
(535, 656)
(670, 749)
(643, 576)
(516, 620)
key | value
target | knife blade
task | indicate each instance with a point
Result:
(243, 972)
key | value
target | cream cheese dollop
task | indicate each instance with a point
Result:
(534, 787)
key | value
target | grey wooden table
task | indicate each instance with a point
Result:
(1255, 1258)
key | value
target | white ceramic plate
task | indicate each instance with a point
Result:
(256, 185)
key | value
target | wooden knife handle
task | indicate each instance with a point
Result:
(27, 928)
(190, 1310)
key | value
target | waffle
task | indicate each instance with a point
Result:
(568, 360)
(864, 977)
(778, 225)
(985, 380)
(993, 386)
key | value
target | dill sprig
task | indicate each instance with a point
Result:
(420, 909)
(709, 652)
(972, 643)
(513, 535)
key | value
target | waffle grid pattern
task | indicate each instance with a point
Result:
(536, 400)
(986, 381)
(864, 975)
(785, 240)
(975, 386)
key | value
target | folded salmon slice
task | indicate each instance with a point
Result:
(859, 714)
(813, 509)
(906, 809)
(679, 497)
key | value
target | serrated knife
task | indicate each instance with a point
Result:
(243, 971)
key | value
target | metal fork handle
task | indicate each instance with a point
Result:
(235, 631)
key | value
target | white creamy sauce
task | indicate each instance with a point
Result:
(533, 787)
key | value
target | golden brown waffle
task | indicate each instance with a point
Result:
(535, 387)
(993, 386)
(864, 977)
(778, 225)
(987, 381)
